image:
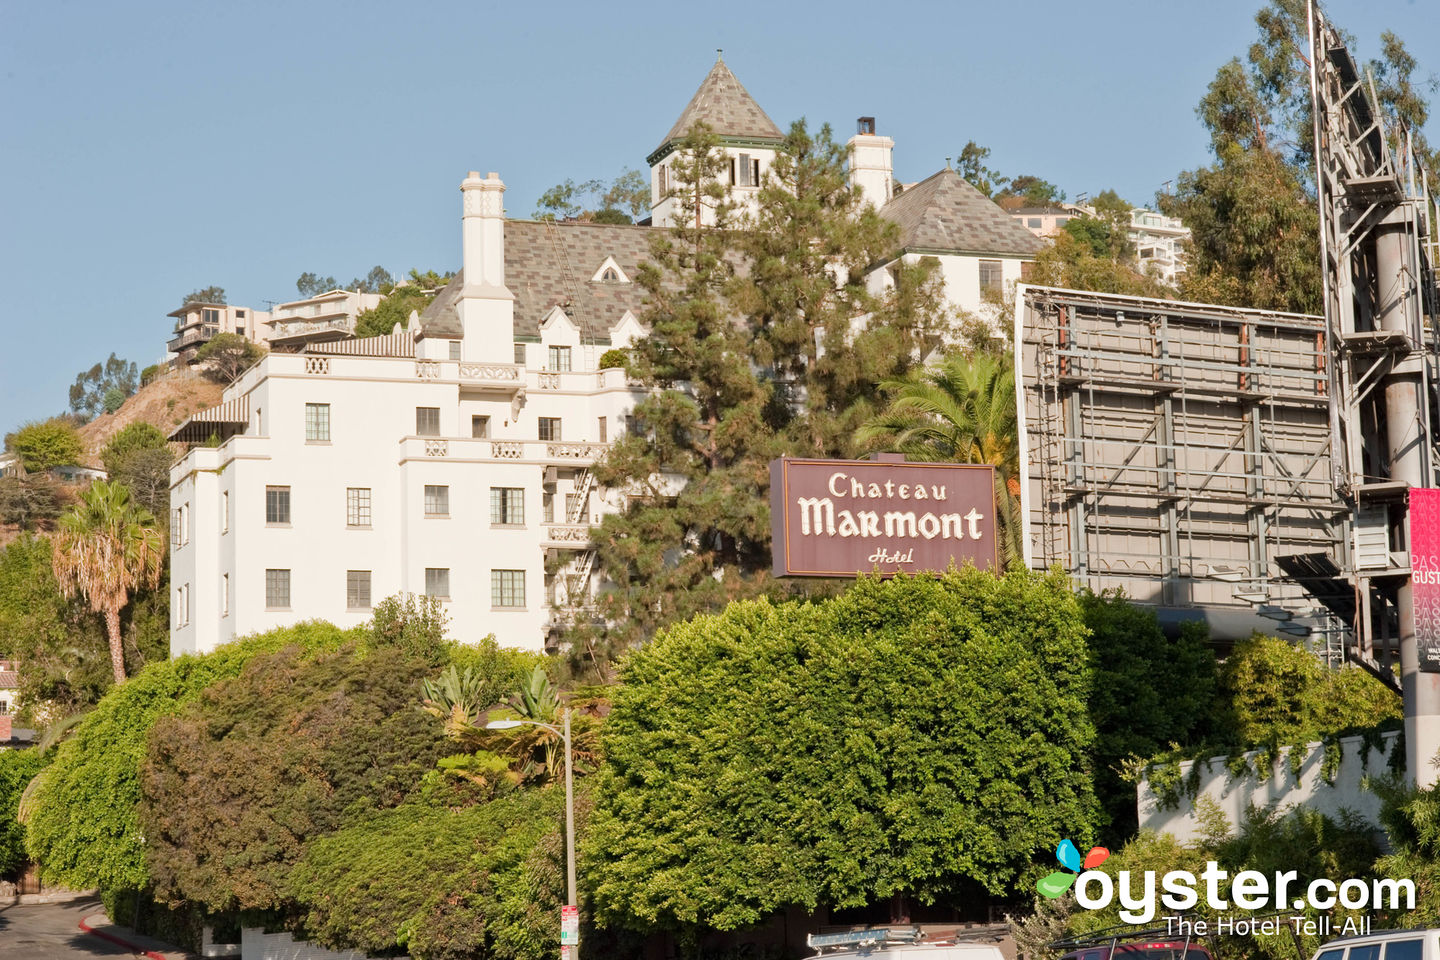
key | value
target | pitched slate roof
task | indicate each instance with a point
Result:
(727, 107)
(550, 264)
(944, 213)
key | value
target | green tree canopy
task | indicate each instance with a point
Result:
(622, 200)
(42, 444)
(300, 743)
(901, 740)
(378, 280)
(103, 387)
(139, 456)
(211, 294)
(17, 769)
(400, 301)
(85, 831)
(31, 502)
(227, 355)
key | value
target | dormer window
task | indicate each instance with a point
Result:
(609, 275)
(609, 272)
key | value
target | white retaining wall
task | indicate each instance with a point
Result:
(256, 944)
(1283, 789)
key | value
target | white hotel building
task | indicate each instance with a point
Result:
(454, 458)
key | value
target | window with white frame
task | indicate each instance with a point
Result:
(277, 589)
(507, 506)
(520, 353)
(559, 359)
(577, 508)
(317, 423)
(602, 429)
(480, 427)
(225, 511)
(357, 506)
(507, 588)
(427, 421)
(357, 589)
(175, 527)
(437, 582)
(454, 349)
(547, 507)
(184, 523)
(277, 505)
(550, 428)
(991, 277)
(224, 594)
(437, 500)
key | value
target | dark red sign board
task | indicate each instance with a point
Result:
(837, 518)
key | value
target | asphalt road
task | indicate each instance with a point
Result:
(51, 931)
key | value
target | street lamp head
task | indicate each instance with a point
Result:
(504, 724)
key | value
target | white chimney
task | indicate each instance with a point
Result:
(870, 167)
(486, 307)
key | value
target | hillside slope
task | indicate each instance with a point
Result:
(165, 402)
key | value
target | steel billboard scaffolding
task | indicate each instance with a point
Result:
(1177, 450)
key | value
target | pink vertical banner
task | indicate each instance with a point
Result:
(1425, 574)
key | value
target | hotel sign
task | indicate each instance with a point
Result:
(1425, 574)
(837, 518)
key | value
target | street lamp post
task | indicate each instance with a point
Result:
(564, 732)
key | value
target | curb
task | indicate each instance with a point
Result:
(151, 954)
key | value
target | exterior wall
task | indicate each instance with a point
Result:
(256, 944)
(330, 316)
(1235, 795)
(664, 209)
(192, 329)
(373, 444)
(961, 276)
(1159, 243)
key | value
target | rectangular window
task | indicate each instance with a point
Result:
(277, 589)
(184, 524)
(224, 594)
(550, 428)
(239, 314)
(745, 170)
(357, 589)
(427, 421)
(317, 422)
(209, 316)
(225, 512)
(1033, 223)
(732, 171)
(754, 173)
(357, 506)
(507, 588)
(175, 527)
(507, 505)
(454, 349)
(547, 506)
(437, 500)
(520, 353)
(664, 180)
(577, 508)
(277, 504)
(240, 331)
(990, 277)
(559, 359)
(602, 433)
(633, 426)
(437, 582)
(480, 428)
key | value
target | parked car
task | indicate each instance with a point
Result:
(1384, 945)
(1144, 950)
(906, 943)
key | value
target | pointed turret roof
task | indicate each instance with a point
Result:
(945, 214)
(726, 106)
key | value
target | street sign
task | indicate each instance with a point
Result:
(569, 929)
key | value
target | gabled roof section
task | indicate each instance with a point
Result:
(726, 107)
(945, 214)
(548, 265)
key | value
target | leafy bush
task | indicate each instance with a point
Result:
(151, 372)
(903, 739)
(615, 357)
(1148, 692)
(85, 831)
(17, 769)
(481, 881)
(238, 784)
(44, 444)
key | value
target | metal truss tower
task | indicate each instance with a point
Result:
(1377, 248)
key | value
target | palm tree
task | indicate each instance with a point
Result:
(962, 411)
(105, 548)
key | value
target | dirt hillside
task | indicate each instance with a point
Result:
(165, 402)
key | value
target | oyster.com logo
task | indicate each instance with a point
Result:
(1058, 882)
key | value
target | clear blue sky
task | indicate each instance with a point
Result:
(148, 149)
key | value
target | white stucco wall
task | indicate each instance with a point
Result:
(256, 944)
(1308, 788)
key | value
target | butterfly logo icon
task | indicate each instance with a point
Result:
(1059, 881)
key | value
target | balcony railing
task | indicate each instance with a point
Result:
(568, 534)
(290, 330)
(200, 334)
(568, 453)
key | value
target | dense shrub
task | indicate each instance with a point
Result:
(237, 785)
(903, 739)
(614, 357)
(17, 769)
(440, 884)
(85, 832)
